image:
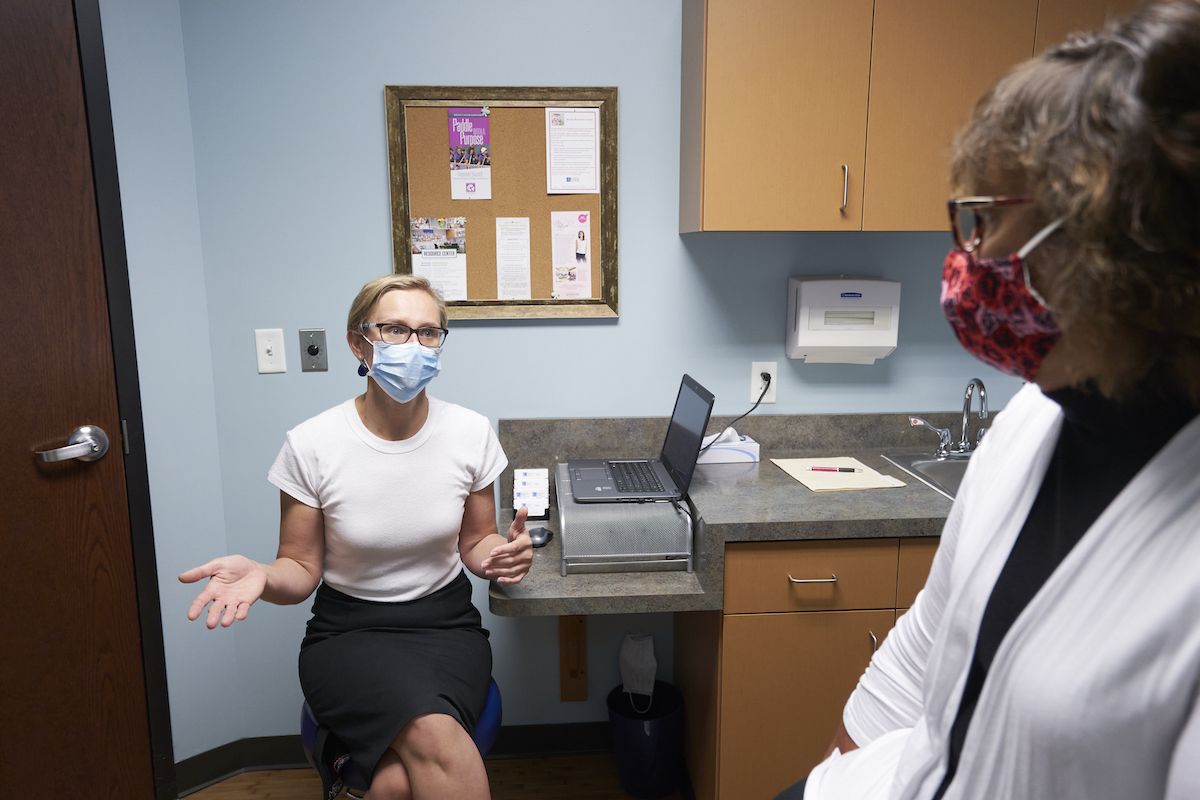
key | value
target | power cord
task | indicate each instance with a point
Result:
(766, 379)
(682, 510)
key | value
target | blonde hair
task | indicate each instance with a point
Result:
(1104, 131)
(371, 291)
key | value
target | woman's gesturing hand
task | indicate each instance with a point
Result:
(509, 562)
(234, 583)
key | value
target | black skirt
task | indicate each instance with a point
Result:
(368, 668)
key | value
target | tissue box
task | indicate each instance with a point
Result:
(742, 450)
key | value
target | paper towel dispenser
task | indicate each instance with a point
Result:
(842, 320)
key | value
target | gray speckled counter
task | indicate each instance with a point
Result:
(761, 502)
(544, 592)
(735, 503)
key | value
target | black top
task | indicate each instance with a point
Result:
(1101, 446)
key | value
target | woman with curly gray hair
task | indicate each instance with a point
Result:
(1054, 650)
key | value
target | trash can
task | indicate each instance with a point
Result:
(649, 746)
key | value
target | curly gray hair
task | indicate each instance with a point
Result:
(1104, 131)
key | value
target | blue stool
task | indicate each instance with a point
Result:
(352, 774)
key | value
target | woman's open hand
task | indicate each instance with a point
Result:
(508, 563)
(234, 583)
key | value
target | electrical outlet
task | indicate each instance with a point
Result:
(268, 346)
(757, 368)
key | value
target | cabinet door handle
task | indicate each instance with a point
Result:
(845, 188)
(830, 579)
(874, 641)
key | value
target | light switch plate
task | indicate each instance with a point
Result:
(313, 355)
(268, 346)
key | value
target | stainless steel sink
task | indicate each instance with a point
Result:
(940, 474)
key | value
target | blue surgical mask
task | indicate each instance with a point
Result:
(403, 370)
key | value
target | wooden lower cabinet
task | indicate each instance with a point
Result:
(916, 558)
(784, 681)
(764, 691)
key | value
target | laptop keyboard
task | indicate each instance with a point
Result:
(634, 476)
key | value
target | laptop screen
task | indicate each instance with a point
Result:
(681, 448)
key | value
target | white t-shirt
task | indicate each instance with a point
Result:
(393, 510)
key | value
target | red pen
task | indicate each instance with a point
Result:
(835, 469)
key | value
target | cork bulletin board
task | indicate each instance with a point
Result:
(420, 178)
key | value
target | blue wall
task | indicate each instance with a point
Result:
(152, 127)
(254, 181)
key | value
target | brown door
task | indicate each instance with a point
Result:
(73, 697)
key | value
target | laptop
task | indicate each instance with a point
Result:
(638, 480)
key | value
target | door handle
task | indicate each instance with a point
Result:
(86, 443)
(845, 187)
(874, 641)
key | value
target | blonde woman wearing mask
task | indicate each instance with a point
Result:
(383, 501)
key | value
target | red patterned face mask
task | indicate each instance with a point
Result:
(995, 313)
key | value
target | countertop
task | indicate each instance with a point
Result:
(733, 502)
(760, 502)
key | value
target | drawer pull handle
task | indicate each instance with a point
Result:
(874, 641)
(831, 579)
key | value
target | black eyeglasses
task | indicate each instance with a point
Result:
(399, 333)
(968, 220)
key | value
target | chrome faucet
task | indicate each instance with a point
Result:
(947, 447)
(965, 445)
(944, 435)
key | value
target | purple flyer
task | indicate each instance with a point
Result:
(470, 153)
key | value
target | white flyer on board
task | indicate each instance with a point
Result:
(439, 253)
(571, 254)
(573, 150)
(512, 258)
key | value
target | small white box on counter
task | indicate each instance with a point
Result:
(531, 489)
(733, 450)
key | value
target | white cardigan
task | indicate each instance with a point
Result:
(1093, 692)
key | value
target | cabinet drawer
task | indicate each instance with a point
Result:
(916, 557)
(761, 576)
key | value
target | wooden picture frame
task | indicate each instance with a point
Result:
(419, 178)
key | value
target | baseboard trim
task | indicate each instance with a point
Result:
(286, 752)
(569, 738)
(244, 755)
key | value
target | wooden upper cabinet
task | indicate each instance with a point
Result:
(1059, 18)
(778, 95)
(779, 108)
(930, 62)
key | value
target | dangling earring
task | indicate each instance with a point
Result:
(362, 369)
